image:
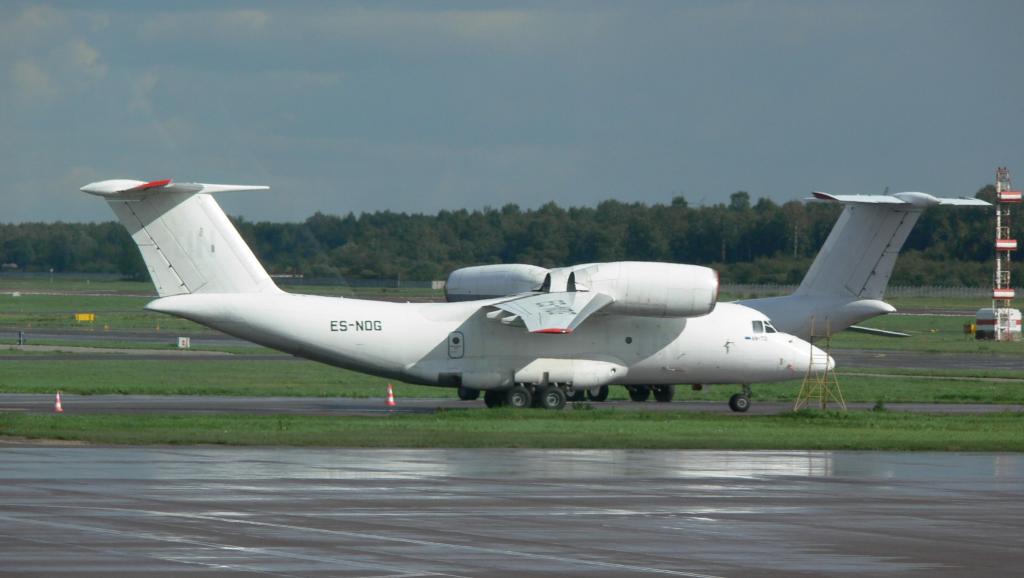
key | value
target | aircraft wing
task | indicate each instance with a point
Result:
(552, 312)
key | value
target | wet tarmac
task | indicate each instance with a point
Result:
(160, 511)
(342, 406)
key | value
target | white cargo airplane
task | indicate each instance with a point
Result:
(648, 326)
(658, 323)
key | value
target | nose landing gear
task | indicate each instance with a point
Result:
(740, 402)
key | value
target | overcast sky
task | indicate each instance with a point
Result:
(423, 106)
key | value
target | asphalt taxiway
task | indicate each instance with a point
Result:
(344, 406)
(158, 511)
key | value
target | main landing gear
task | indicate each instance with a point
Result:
(468, 393)
(662, 393)
(551, 397)
(556, 396)
(520, 396)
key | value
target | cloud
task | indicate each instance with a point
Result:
(32, 26)
(244, 20)
(500, 28)
(206, 24)
(43, 58)
(31, 83)
(141, 90)
(83, 58)
(305, 79)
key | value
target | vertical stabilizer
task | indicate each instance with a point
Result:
(848, 278)
(859, 254)
(858, 257)
(186, 240)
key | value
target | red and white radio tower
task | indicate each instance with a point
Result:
(1007, 319)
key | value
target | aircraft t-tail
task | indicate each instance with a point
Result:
(521, 334)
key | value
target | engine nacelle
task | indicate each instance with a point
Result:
(650, 289)
(638, 288)
(487, 281)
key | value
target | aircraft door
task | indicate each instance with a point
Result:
(456, 345)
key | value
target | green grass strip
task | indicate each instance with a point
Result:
(543, 429)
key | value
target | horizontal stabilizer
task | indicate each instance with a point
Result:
(876, 331)
(128, 189)
(555, 312)
(909, 198)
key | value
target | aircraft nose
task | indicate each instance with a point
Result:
(821, 361)
(811, 357)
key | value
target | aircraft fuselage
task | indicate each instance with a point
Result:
(451, 344)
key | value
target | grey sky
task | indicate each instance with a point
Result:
(416, 106)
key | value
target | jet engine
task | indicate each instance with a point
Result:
(636, 288)
(650, 289)
(486, 281)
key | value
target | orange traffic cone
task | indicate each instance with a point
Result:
(391, 396)
(57, 408)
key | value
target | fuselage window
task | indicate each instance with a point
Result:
(768, 327)
(758, 327)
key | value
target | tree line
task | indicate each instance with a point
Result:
(748, 242)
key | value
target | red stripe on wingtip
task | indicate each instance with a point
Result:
(554, 330)
(153, 185)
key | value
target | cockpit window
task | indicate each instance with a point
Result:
(758, 327)
(768, 327)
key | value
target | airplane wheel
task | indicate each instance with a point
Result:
(664, 393)
(494, 398)
(598, 393)
(638, 392)
(468, 393)
(578, 395)
(519, 397)
(739, 402)
(552, 397)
